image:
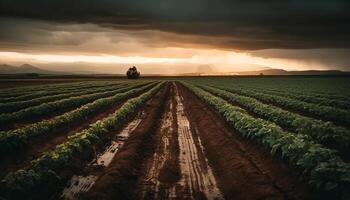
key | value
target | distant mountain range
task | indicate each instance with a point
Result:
(285, 72)
(28, 69)
(272, 72)
(25, 69)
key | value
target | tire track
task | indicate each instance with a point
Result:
(197, 179)
(153, 187)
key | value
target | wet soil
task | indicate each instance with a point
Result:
(194, 176)
(162, 169)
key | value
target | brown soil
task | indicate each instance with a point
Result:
(118, 180)
(170, 173)
(245, 170)
(161, 170)
(38, 146)
(178, 169)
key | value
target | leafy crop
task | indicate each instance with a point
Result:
(15, 140)
(56, 106)
(27, 93)
(324, 168)
(323, 132)
(310, 98)
(18, 105)
(325, 113)
(22, 183)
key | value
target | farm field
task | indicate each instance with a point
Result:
(242, 138)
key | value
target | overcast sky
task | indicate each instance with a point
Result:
(172, 36)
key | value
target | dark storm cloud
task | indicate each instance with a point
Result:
(334, 58)
(233, 24)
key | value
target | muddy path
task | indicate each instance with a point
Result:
(179, 168)
(162, 170)
(38, 146)
(244, 169)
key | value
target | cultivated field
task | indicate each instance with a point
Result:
(241, 138)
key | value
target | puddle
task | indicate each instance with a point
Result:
(81, 184)
(107, 156)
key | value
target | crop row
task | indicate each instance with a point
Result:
(57, 106)
(53, 91)
(36, 88)
(310, 93)
(325, 133)
(15, 140)
(45, 169)
(18, 91)
(323, 101)
(313, 87)
(18, 105)
(324, 168)
(338, 116)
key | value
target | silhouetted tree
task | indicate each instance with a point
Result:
(132, 73)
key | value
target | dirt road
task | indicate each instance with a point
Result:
(196, 179)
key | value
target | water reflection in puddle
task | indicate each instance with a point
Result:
(81, 184)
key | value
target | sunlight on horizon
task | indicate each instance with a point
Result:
(223, 60)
